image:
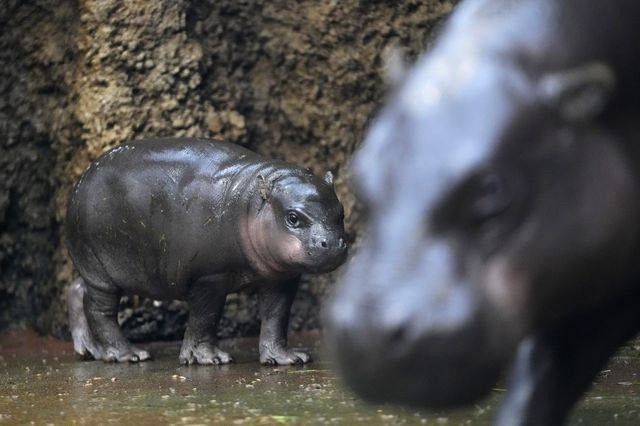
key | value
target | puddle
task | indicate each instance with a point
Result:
(42, 381)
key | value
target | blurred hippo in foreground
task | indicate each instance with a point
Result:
(502, 188)
(195, 219)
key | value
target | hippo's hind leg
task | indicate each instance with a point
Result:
(107, 343)
(275, 307)
(206, 300)
(83, 342)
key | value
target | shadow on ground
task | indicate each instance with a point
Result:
(42, 381)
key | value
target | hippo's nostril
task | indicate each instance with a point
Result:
(397, 336)
(323, 243)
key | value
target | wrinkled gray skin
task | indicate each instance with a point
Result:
(194, 220)
(502, 188)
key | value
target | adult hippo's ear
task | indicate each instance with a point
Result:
(394, 65)
(578, 94)
(328, 177)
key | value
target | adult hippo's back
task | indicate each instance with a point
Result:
(195, 219)
(502, 184)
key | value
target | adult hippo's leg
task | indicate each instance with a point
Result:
(206, 302)
(275, 306)
(552, 370)
(101, 309)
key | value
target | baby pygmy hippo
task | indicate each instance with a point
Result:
(195, 219)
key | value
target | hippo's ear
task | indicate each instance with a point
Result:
(328, 177)
(394, 66)
(581, 93)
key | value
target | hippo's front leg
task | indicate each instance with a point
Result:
(275, 307)
(551, 370)
(206, 301)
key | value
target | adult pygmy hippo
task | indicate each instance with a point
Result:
(195, 219)
(502, 183)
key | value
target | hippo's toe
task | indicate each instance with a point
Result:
(120, 354)
(129, 354)
(283, 357)
(203, 353)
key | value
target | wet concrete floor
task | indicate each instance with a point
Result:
(43, 382)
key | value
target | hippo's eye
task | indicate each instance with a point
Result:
(292, 219)
(492, 197)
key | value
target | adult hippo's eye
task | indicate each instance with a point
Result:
(292, 219)
(492, 197)
(478, 200)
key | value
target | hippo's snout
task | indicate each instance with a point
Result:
(334, 244)
(407, 336)
(328, 251)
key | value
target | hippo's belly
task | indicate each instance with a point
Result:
(154, 229)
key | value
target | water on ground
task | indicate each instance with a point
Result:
(43, 382)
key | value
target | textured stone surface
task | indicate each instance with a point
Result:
(292, 80)
(35, 54)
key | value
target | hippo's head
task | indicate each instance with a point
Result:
(299, 224)
(499, 200)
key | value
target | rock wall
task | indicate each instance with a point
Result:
(36, 53)
(292, 80)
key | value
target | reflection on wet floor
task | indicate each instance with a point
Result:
(43, 382)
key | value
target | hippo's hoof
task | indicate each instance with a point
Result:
(203, 353)
(122, 354)
(283, 357)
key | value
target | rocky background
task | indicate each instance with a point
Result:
(293, 80)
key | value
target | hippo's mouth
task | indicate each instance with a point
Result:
(437, 372)
(411, 344)
(317, 263)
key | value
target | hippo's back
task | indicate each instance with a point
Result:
(147, 212)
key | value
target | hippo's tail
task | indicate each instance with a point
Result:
(83, 342)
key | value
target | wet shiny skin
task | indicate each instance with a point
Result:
(195, 219)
